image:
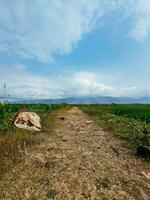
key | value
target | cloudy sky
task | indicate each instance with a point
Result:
(63, 48)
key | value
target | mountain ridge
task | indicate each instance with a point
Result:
(84, 100)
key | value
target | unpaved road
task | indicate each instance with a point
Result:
(78, 161)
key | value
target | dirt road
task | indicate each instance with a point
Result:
(77, 161)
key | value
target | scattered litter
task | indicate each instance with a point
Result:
(28, 120)
(89, 122)
(146, 175)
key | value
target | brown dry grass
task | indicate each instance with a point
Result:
(14, 143)
(76, 162)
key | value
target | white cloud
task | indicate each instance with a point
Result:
(22, 84)
(141, 15)
(142, 29)
(39, 28)
(89, 84)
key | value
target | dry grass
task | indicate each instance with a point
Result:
(75, 161)
(15, 142)
(13, 145)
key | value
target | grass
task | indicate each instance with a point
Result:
(13, 141)
(13, 145)
(8, 111)
(70, 166)
(141, 112)
(130, 122)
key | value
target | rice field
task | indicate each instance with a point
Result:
(141, 112)
(131, 122)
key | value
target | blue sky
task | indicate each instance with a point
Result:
(55, 48)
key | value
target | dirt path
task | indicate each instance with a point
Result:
(78, 161)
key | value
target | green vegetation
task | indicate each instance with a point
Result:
(141, 112)
(131, 122)
(13, 141)
(7, 111)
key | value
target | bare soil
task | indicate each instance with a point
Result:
(78, 160)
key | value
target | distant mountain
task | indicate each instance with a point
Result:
(86, 100)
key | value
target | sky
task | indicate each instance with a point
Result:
(73, 48)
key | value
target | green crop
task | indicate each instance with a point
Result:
(131, 122)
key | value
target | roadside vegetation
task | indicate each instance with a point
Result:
(14, 141)
(76, 160)
(130, 122)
